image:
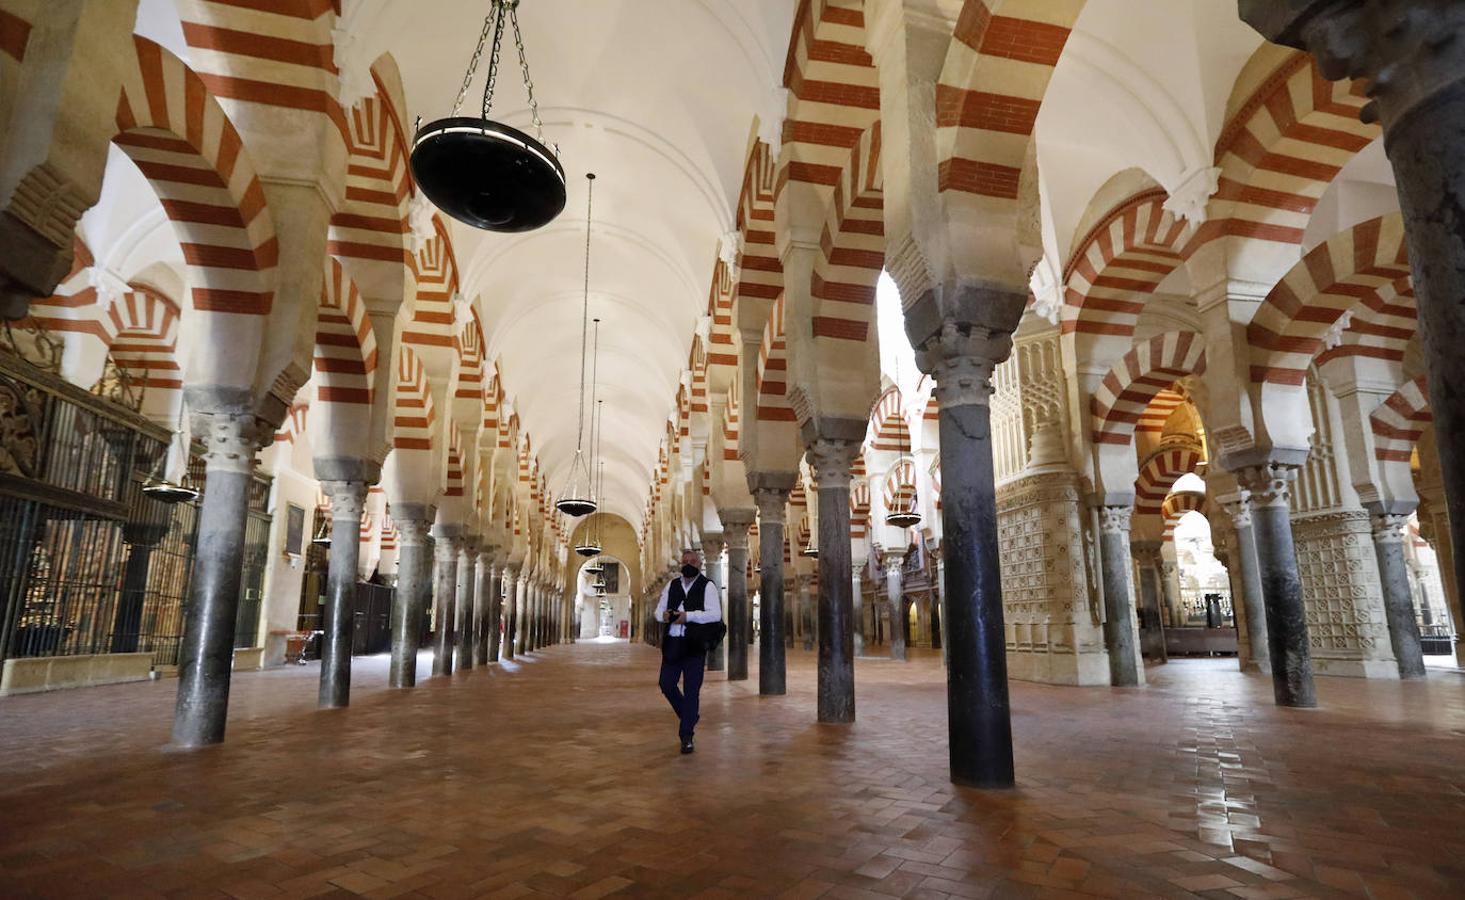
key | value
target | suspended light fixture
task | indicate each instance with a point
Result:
(594, 567)
(590, 545)
(157, 486)
(907, 516)
(577, 499)
(484, 173)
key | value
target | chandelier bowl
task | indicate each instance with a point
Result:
(588, 550)
(903, 519)
(487, 174)
(572, 506)
(168, 492)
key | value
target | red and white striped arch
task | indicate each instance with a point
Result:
(834, 96)
(773, 403)
(1400, 420)
(1162, 407)
(453, 481)
(1176, 506)
(1279, 152)
(760, 273)
(1365, 267)
(889, 429)
(413, 416)
(731, 430)
(143, 329)
(900, 487)
(374, 223)
(1118, 264)
(176, 133)
(992, 84)
(721, 352)
(345, 344)
(852, 253)
(859, 511)
(469, 345)
(1160, 472)
(431, 328)
(1149, 368)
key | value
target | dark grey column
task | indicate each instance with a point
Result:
(347, 500)
(445, 598)
(735, 524)
(521, 620)
(1411, 53)
(1253, 603)
(1152, 624)
(495, 608)
(893, 565)
(807, 611)
(482, 604)
(857, 605)
(1270, 485)
(830, 458)
(512, 587)
(960, 358)
(712, 545)
(1119, 635)
(206, 658)
(1388, 543)
(463, 631)
(414, 590)
(772, 501)
(142, 539)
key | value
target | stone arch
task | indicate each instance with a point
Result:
(1176, 506)
(1158, 473)
(900, 486)
(345, 345)
(1365, 266)
(1280, 148)
(179, 137)
(1150, 367)
(1398, 422)
(373, 226)
(889, 428)
(142, 328)
(1118, 264)
(772, 382)
(859, 511)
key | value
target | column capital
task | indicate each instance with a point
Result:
(1389, 528)
(1270, 484)
(1238, 506)
(1146, 552)
(960, 358)
(348, 498)
(231, 440)
(735, 528)
(712, 545)
(771, 503)
(892, 562)
(1115, 519)
(1408, 50)
(412, 531)
(831, 460)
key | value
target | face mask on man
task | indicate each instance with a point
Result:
(689, 570)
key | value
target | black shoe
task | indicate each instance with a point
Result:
(686, 745)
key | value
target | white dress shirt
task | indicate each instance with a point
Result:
(711, 606)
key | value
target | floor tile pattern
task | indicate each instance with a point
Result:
(559, 776)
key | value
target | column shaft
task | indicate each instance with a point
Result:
(511, 606)
(445, 599)
(1287, 641)
(831, 461)
(895, 599)
(206, 658)
(1253, 602)
(414, 588)
(1388, 543)
(464, 634)
(738, 608)
(1119, 637)
(347, 501)
(712, 565)
(772, 662)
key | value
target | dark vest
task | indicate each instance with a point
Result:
(690, 601)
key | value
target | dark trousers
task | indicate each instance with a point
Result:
(679, 664)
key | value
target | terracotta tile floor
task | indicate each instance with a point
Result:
(559, 776)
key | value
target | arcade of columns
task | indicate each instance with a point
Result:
(1058, 401)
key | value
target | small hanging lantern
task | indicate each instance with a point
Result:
(484, 173)
(906, 518)
(907, 514)
(594, 567)
(578, 497)
(158, 487)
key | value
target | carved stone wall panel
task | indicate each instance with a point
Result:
(1051, 635)
(1343, 595)
(1029, 388)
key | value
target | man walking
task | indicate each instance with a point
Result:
(689, 610)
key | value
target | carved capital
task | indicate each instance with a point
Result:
(1115, 519)
(1238, 507)
(961, 361)
(231, 440)
(348, 499)
(831, 460)
(1270, 484)
(771, 503)
(1389, 529)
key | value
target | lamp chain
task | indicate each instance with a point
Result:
(585, 309)
(528, 82)
(500, 7)
(473, 62)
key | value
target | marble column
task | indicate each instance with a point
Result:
(960, 357)
(830, 459)
(414, 589)
(510, 603)
(521, 613)
(941, 602)
(1411, 54)
(1388, 543)
(464, 633)
(857, 600)
(1270, 486)
(1152, 625)
(339, 622)
(893, 564)
(712, 545)
(530, 611)
(206, 657)
(1119, 632)
(445, 598)
(1253, 603)
(1170, 590)
(772, 501)
(483, 608)
(142, 539)
(806, 611)
(735, 525)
